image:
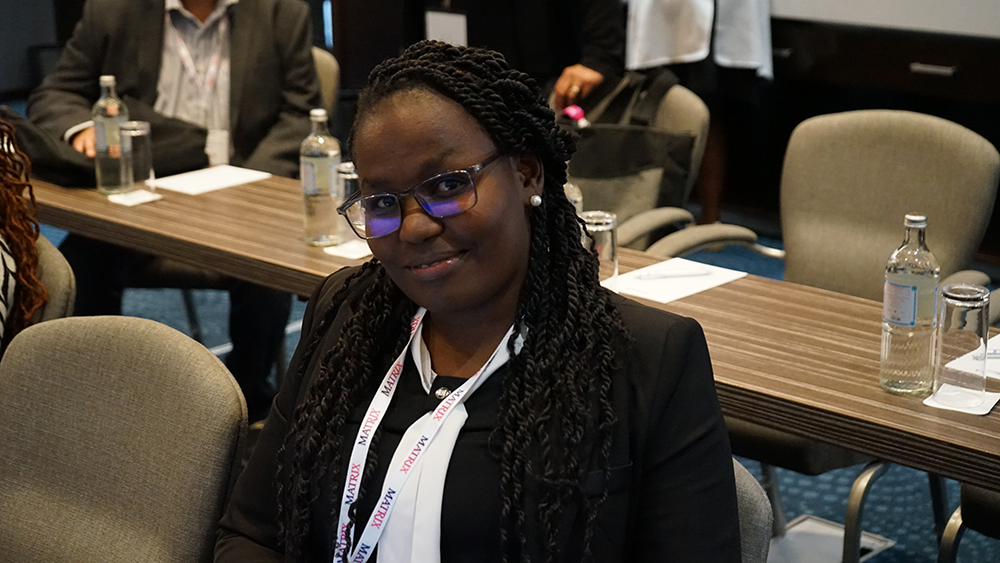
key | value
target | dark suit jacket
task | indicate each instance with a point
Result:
(273, 82)
(671, 490)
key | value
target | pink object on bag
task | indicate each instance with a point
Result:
(575, 113)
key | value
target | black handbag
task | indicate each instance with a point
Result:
(622, 163)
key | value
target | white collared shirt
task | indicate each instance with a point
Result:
(177, 95)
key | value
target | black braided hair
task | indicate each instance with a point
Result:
(555, 422)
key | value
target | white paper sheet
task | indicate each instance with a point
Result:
(353, 249)
(210, 179)
(674, 279)
(134, 197)
(989, 402)
(964, 363)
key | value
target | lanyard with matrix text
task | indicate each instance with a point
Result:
(396, 476)
(187, 60)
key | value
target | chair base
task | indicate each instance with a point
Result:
(953, 532)
(810, 539)
(852, 519)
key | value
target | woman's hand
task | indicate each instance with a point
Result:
(575, 83)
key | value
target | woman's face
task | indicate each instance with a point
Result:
(471, 263)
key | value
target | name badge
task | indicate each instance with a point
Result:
(449, 27)
(217, 147)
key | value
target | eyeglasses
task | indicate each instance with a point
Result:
(443, 195)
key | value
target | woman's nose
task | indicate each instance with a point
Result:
(416, 225)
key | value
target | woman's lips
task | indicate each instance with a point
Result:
(436, 268)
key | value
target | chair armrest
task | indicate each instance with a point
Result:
(967, 276)
(699, 237)
(646, 222)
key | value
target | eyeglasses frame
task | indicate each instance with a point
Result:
(470, 170)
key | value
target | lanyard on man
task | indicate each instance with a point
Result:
(217, 144)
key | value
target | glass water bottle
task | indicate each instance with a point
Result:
(114, 153)
(909, 307)
(319, 157)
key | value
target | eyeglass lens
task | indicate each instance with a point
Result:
(441, 196)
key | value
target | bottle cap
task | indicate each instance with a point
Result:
(107, 80)
(346, 168)
(317, 114)
(915, 221)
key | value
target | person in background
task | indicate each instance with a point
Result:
(240, 69)
(571, 47)
(472, 393)
(718, 49)
(21, 293)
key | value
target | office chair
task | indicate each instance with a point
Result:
(121, 441)
(979, 511)
(848, 180)
(680, 111)
(755, 516)
(56, 275)
(328, 71)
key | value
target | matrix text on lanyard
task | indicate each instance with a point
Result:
(396, 476)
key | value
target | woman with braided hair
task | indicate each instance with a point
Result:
(21, 294)
(473, 393)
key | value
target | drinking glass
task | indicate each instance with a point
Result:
(960, 350)
(603, 227)
(136, 135)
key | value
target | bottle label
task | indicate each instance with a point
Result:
(307, 171)
(100, 136)
(899, 304)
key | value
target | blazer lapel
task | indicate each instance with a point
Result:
(149, 39)
(240, 41)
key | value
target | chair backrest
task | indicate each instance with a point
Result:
(120, 441)
(56, 275)
(755, 516)
(682, 111)
(849, 178)
(328, 71)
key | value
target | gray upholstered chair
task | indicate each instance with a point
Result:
(168, 273)
(680, 111)
(847, 182)
(328, 71)
(979, 511)
(755, 516)
(121, 439)
(56, 275)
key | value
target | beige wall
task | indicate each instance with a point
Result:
(963, 17)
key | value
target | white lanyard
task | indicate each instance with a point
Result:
(188, 61)
(396, 477)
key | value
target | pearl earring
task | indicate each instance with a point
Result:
(536, 200)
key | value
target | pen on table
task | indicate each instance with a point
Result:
(672, 274)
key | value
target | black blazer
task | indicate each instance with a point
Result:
(273, 82)
(672, 495)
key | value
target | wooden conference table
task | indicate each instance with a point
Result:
(792, 357)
